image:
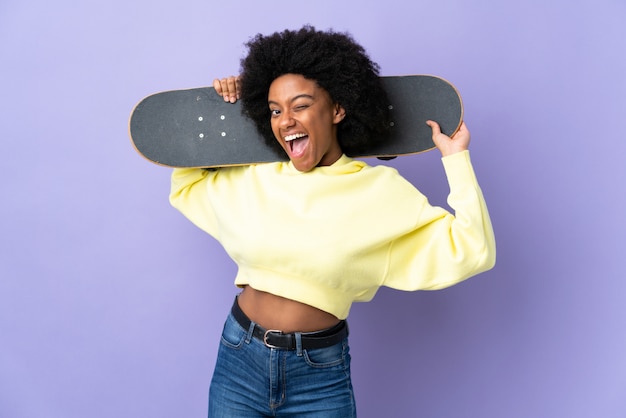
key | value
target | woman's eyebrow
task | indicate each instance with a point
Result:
(293, 99)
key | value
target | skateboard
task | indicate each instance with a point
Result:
(197, 128)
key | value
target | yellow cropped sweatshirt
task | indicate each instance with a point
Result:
(334, 235)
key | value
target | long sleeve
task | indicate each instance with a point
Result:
(445, 249)
(188, 194)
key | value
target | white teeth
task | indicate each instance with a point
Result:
(294, 136)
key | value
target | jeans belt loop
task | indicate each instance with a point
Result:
(250, 333)
(298, 336)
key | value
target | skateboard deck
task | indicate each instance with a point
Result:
(197, 128)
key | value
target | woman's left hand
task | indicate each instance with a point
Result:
(446, 145)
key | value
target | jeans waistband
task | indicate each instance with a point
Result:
(288, 341)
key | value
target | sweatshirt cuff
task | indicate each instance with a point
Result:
(459, 169)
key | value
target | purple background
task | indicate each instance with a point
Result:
(111, 303)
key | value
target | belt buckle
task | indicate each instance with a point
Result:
(265, 338)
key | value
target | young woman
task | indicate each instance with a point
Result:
(314, 234)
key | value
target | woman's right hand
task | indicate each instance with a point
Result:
(229, 88)
(448, 146)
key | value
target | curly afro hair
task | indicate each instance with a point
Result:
(336, 62)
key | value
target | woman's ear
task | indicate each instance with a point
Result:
(340, 113)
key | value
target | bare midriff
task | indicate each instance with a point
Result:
(286, 315)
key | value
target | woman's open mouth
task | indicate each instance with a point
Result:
(297, 143)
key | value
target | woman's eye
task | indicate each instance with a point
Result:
(274, 112)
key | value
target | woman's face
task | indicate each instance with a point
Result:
(304, 121)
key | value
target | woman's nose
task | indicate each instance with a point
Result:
(286, 120)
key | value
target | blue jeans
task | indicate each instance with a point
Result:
(253, 380)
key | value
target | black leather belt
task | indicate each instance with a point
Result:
(277, 339)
